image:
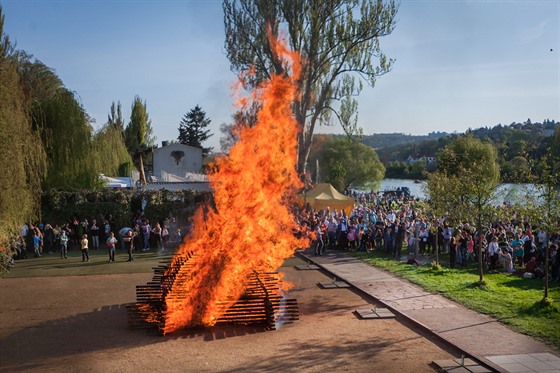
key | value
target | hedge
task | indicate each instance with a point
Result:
(60, 206)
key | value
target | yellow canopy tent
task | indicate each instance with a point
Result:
(325, 195)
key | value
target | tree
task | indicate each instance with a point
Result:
(349, 164)
(339, 43)
(192, 129)
(23, 157)
(67, 138)
(115, 118)
(110, 154)
(138, 135)
(229, 137)
(542, 201)
(230, 131)
(464, 185)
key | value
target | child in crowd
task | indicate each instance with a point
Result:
(63, 245)
(85, 249)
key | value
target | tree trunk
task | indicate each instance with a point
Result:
(416, 240)
(436, 246)
(141, 169)
(546, 253)
(479, 244)
(303, 155)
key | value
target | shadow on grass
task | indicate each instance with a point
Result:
(541, 308)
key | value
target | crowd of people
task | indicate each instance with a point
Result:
(397, 225)
(394, 223)
(85, 235)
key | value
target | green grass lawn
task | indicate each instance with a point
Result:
(513, 300)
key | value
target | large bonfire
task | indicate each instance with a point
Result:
(250, 228)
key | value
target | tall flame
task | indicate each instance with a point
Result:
(251, 227)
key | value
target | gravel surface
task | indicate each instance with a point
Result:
(78, 324)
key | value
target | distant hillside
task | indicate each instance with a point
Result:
(383, 140)
(516, 143)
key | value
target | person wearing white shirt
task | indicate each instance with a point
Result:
(493, 252)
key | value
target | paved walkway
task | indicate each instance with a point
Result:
(479, 336)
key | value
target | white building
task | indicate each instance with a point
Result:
(176, 159)
(177, 167)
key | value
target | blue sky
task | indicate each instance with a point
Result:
(459, 64)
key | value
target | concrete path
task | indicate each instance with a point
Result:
(479, 336)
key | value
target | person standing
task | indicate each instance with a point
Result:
(107, 230)
(157, 231)
(111, 242)
(464, 247)
(38, 233)
(85, 249)
(493, 252)
(447, 234)
(146, 229)
(74, 233)
(331, 233)
(63, 245)
(48, 238)
(36, 243)
(452, 251)
(128, 244)
(94, 233)
(319, 243)
(518, 251)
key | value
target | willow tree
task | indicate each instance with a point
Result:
(138, 135)
(21, 151)
(339, 41)
(350, 164)
(111, 156)
(465, 183)
(67, 137)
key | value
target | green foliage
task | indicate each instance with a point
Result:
(338, 40)
(517, 145)
(435, 266)
(466, 179)
(21, 152)
(109, 152)
(348, 164)
(465, 183)
(115, 118)
(67, 137)
(60, 205)
(138, 135)
(399, 140)
(192, 129)
(403, 170)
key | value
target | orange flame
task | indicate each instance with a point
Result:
(251, 228)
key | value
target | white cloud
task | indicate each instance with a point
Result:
(529, 34)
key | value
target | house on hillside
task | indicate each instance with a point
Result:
(424, 159)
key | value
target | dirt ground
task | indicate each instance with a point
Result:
(78, 324)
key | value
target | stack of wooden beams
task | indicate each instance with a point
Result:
(263, 302)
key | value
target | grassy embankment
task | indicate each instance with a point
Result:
(513, 300)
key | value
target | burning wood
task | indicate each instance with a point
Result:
(262, 304)
(250, 226)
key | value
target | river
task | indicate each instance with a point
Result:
(504, 192)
